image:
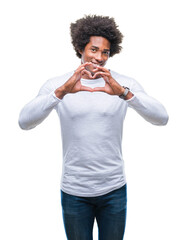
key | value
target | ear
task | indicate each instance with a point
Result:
(81, 52)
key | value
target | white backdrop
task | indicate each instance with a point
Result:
(35, 46)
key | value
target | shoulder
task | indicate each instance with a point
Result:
(122, 79)
(59, 80)
(126, 81)
(55, 82)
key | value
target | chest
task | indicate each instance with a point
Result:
(97, 104)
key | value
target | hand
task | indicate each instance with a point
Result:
(73, 84)
(111, 87)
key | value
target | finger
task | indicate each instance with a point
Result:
(82, 66)
(100, 89)
(85, 72)
(79, 69)
(86, 64)
(103, 69)
(84, 88)
(95, 70)
(103, 74)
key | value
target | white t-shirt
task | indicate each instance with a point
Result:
(91, 130)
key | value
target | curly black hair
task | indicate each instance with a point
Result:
(93, 25)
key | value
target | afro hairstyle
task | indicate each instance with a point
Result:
(93, 25)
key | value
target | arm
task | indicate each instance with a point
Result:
(39, 108)
(149, 108)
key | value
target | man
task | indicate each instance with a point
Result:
(91, 103)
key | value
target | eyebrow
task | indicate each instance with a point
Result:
(108, 50)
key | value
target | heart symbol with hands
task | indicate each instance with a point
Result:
(73, 84)
(111, 87)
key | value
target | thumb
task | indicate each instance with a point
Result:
(99, 89)
(84, 88)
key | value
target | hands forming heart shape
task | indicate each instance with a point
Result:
(111, 87)
(73, 84)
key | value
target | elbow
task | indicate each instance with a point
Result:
(162, 116)
(163, 120)
(23, 124)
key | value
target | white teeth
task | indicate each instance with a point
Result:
(95, 65)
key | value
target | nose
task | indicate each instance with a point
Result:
(98, 56)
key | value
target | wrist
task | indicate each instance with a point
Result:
(126, 94)
(60, 92)
(129, 95)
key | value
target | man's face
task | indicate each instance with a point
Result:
(97, 51)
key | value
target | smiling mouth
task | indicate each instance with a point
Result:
(95, 65)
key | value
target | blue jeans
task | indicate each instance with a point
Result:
(109, 210)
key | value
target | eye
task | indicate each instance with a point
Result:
(93, 50)
(106, 53)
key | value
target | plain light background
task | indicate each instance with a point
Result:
(35, 46)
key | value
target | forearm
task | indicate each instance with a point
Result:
(37, 110)
(149, 108)
(60, 92)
